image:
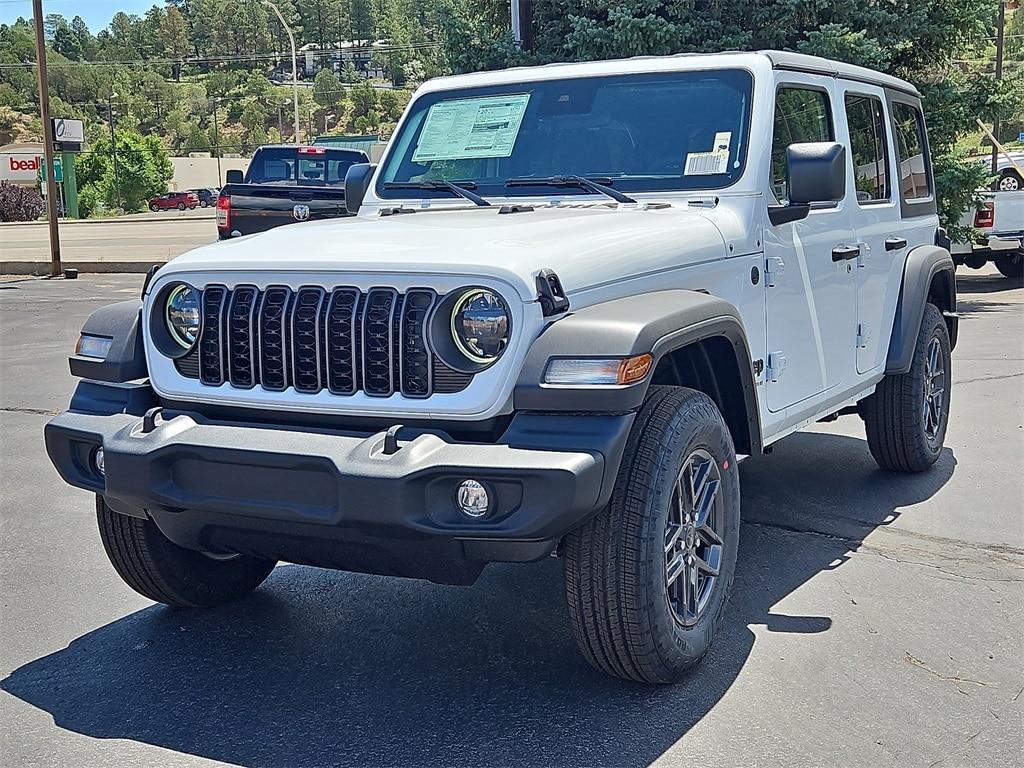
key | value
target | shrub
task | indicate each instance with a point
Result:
(19, 203)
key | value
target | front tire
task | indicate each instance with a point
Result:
(154, 207)
(155, 567)
(906, 417)
(181, 206)
(648, 578)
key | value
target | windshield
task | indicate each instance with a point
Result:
(290, 166)
(674, 131)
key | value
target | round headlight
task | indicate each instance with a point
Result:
(480, 324)
(182, 315)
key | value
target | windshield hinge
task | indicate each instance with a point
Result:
(550, 294)
(396, 211)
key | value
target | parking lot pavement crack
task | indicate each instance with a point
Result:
(33, 411)
(989, 378)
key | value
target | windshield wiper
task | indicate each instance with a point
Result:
(460, 188)
(593, 184)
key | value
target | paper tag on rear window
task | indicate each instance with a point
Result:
(706, 163)
(463, 129)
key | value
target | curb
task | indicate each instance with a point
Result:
(96, 267)
(112, 220)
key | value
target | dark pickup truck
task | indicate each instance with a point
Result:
(285, 184)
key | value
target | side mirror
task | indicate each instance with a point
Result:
(357, 181)
(815, 173)
(234, 176)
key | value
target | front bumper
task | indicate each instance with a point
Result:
(337, 499)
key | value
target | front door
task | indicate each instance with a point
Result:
(810, 282)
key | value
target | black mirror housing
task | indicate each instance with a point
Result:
(816, 172)
(234, 176)
(357, 181)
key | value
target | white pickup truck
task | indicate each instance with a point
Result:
(1000, 239)
(573, 298)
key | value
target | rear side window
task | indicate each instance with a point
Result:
(915, 181)
(801, 115)
(866, 119)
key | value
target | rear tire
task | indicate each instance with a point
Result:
(905, 424)
(628, 570)
(1011, 265)
(156, 568)
(181, 206)
(1009, 181)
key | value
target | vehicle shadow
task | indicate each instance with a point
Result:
(974, 282)
(322, 669)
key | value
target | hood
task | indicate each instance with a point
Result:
(586, 245)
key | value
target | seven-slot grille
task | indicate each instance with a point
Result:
(342, 340)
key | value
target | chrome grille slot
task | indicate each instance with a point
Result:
(305, 349)
(211, 338)
(377, 338)
(240, 337)
(342, 340)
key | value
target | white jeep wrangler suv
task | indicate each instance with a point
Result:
(573, 299)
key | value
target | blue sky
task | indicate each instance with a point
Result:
(97, 13)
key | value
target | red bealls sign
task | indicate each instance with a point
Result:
(20, 168)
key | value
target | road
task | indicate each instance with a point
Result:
(876, 618)
(145, 238)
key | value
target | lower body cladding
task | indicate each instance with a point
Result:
(340, 499)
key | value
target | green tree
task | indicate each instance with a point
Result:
(143, 170)
(363, 97)
(174, 38)
(327, 89)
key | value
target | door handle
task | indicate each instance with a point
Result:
(895, 243)
(845, 252)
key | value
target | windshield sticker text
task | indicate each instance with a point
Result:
(471, 128)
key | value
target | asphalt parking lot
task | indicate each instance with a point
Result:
(876, 618)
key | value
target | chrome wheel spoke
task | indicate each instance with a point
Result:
(673, 534)
(703, 566)
(674, 568)
(710, 535)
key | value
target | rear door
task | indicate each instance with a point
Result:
(876, 216)
(810, 291)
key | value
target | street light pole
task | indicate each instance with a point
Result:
(44, 114)
(295, 66)
(1000, 28)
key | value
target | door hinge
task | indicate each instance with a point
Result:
(863, 335)
(776, 365)
(774, 268)
(758, 367)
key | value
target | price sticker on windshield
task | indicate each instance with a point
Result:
(463, 129)
(713, 162)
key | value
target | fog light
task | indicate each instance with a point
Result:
(97, 460)
(472, 498)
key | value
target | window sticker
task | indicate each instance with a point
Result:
(713, 162)
(462, 129)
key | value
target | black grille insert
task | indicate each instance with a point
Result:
(341, 340)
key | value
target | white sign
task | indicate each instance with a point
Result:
(69, 131)
(20, 168)
(460, 129)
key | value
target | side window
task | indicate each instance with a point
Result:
(801, 115)
(866, 119)
(913, 172)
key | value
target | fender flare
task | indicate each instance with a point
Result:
(659, 323)
(923, 264)
(126, 360)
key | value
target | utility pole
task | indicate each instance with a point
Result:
(216, 135)
(44, 114)
(113, 145)
(522, 23)
(1000, 27)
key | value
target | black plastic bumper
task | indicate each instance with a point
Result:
(336, 499)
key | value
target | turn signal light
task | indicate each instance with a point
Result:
(614, 371)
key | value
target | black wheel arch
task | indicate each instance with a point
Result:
(126, 360)
(929, 277)
(697, 340)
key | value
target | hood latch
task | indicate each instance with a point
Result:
(550, 294)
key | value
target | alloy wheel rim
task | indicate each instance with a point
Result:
(1008, 184)
(934, 389)
(694, 538)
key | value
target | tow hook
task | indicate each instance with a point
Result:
(391, 440)
(149, 419)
